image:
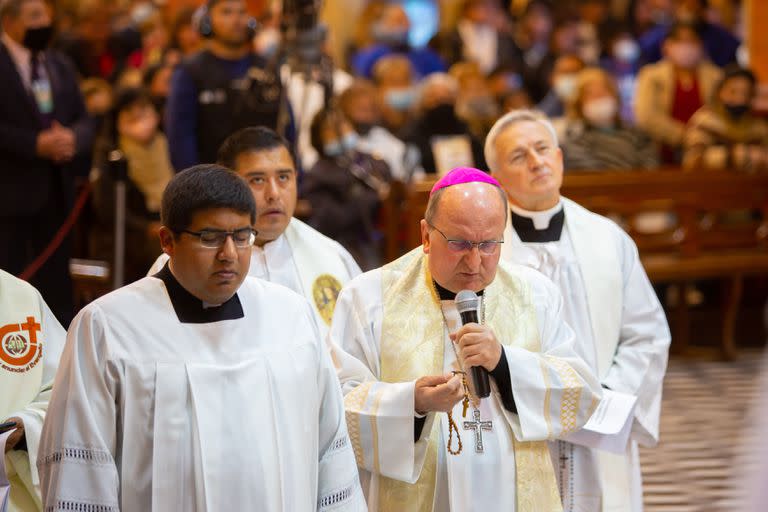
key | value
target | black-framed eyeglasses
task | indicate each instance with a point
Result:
(455, 245)
(215, 239)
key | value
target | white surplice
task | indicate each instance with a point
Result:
(470, 481)
(152, 413)
(29, 355)
(621, 331)
(295, 260)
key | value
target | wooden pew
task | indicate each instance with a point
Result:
(717, 227)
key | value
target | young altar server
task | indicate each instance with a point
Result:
(199, 388)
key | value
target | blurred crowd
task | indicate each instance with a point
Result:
(657, 83)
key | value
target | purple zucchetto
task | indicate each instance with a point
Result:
(464, 175)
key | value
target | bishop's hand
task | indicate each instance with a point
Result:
(437, 393)
(478, 346)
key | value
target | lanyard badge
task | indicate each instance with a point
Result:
(41, 89)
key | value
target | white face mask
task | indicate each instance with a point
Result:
(565, 86)
(601, 112)
(626, 50)
(742, 56)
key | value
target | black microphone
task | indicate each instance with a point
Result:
(467, 304)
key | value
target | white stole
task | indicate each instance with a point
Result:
(320, 268)
(595, 246)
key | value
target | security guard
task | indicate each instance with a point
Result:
(221, 89)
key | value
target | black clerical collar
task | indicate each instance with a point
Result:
(446, 294)
(526, 229)
(190, 309)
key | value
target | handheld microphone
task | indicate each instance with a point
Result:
(467, 304)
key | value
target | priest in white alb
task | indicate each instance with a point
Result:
(621, 330)
(422, 437)
(199, 388)
(287, 251)
(31, 341)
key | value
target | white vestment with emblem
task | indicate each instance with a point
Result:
(150, 413)
(31, 341)
(621, 332)
(554, 392)
(304, 260)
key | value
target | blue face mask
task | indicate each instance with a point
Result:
(401, 99)
(390, 36)
(335, 148)
(349, 141)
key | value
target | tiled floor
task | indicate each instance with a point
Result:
(703, 417)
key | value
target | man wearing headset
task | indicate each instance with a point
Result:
(221, 89)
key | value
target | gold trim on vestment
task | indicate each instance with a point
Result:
(547, 397)
(569, 405)
(354, 403)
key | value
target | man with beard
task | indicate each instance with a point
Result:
(220, 90)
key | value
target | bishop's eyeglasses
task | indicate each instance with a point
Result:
(215, 239)
(455, 245)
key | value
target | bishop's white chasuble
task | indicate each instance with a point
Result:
(390, 328)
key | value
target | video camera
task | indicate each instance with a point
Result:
(304, 38)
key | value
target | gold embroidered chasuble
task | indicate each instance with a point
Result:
(412, 346)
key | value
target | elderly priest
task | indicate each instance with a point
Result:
(198, 389)
(621, 330)
(423, 436)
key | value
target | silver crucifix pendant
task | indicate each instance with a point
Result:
(478, 426)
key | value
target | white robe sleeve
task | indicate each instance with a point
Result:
(33, 415)
(77, 446)
(338, 479)
(380, 415)
(640, 361)
(555, 391)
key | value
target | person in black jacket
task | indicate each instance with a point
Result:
(220, 90)
(45, 142)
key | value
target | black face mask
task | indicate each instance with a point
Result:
(443, 119)
(37, 39)
(363, 128)
(736, 111)
(159, 102)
